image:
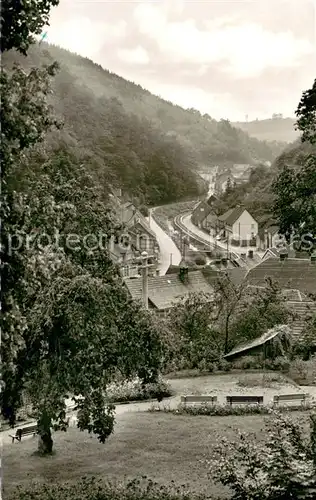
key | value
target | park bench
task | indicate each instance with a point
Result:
(244, 400)
(287, 398)
(24, 431)
(198, 399)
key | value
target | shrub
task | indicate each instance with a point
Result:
(281, 363)
(223, 365)
(248, 363)
(281, 468)
(298, 370)
(261, 380)
(134, 390)
(92, 489)
(303, 372)
(226, 410)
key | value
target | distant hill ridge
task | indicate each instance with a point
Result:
(133, 139)
(272, 129)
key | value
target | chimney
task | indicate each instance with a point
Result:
(283, 255)
(145, 279)
(117, 192)
(184, 274)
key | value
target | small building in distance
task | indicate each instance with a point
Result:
(239, 226)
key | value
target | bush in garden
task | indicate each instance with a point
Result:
(248, 363)
(226, 410)
(92, 489)
(135, 390)
(283, 467)
(223, 365)
(298, 370)
(281, 363)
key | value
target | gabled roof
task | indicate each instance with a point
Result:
(290, 273)
(211, 199)
(232, 215)
(201, 212)
(165, 291)
(145, 226)
(271, 252)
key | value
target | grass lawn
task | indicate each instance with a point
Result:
(161, 446)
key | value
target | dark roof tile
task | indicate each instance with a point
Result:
(165, 291)
(290, 273)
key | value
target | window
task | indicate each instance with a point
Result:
(252, 228)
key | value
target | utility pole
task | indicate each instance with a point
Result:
(145, 266)
(227, 244)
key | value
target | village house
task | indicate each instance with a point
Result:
(135, 238)
(269, 236)
(239, 226)
(203, 216)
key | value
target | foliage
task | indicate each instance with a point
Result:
(306, 114)
(217, 410)
(68, 323)
(189, 321)
(20, 20)
(144, 144)
(283, 467)
(92, 489)
(262, 380)
(295, 189)
(136, 390)
(261, 310)
(303, 372)
(201, 328)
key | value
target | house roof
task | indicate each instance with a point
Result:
(211, 199)
(290, 273)
(145, 225)
(263, 339)
(232, 215)
(165, 291)
(201, 212)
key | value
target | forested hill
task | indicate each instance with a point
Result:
(133, 139)
(257, 194)
(273, 129)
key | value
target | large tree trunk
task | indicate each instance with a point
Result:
(45, 441)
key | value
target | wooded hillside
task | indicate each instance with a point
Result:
(132, 139)
(257, 193)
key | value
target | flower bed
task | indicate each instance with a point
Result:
(133, 390)
(224, 411)
(91, 489)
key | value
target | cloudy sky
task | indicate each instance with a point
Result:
(227, 58)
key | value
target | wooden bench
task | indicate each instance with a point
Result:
(198, 399)
(244, 400)
(24, 431)
(286, 398)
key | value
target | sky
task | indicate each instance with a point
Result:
(225, 58)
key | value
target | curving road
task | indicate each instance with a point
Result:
(169, 253)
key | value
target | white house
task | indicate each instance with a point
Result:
(239, 226)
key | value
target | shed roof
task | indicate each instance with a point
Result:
(165, 291)
(263, 339)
